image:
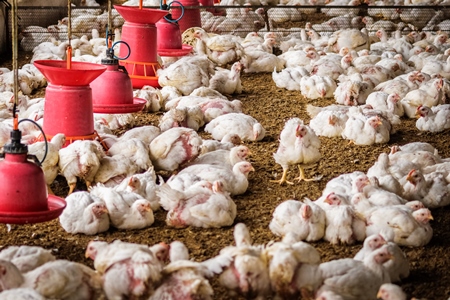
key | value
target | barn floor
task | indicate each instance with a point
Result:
(272, 107)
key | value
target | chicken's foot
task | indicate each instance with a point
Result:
(303, 177)
(283, 179)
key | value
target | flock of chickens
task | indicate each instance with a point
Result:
(376, 80)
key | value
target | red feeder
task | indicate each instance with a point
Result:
(68, 98)
(191, 17)
(112, 92)
(139, 32)
(169, 39)
(23, 194)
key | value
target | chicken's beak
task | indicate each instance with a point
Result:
(430, 217)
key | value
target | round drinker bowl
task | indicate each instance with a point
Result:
(80, 73)
(135, 14)
(56, 206)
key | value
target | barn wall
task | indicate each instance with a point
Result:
(3, 36)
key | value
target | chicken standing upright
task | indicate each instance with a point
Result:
(298, 145)
(81, 159)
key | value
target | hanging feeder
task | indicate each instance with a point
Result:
(188, 13)
(139, 32)
(23, 190)
(68, 97)
(112, 91)
(169, 41)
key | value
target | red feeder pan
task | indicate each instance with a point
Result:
(23, 194)
(68, 98)
(112, 92)
(139, 32)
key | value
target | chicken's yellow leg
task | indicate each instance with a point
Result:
(303, 177)
(71, 188)
(283, 178)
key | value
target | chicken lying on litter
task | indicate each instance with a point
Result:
(127, 210)
(305, 219)
(187, 279)
(84, 213)
(58, 279)
(247, 127)
(27, 258)
(174, 147)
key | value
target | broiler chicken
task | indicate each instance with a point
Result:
(305, 219)
(298, 145)
(187, 279)
(143, 184)
(127, 210)
(390, 291)
(354, 279)
(50, 164)
(235, 180)
(80, 159)
(27, 258)
(59, 279)
(201, 207)
(213, 108)
(434, 119)
(247, 127)
(220, 49)
(113, 169)
(84, 213)
(128, 269)
(317, 87)
(224, 157)
(174, 147)
(21, 293)
(248, 273)
(293, 267)
(226, 81)
(185, 116)
(134, 148)
(186, 75)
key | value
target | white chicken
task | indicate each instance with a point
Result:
(174, 147)
(354, 279)
(184, 278)
(434, 119)
(220, 49)
(390, 291)
(235, 180)
(248, 273)
(317, 87)
(226, 143)
(305, 219)
(201, 207)
(27, 258)
(247, 127)
(226, 81)
(84, 213)
(429, 95)
(298, 145)
(224, 157)
(58, 279)
(134, 148)
(143, 184)
(182, 116)
(127, 210)
(80, 159)
(216, 107)
(50, 164)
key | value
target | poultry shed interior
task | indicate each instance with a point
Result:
(338, 115)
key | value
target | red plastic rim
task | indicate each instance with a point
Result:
(185, 50)
(134, 14)
(137, 105)
(80, 73)
(55, 207)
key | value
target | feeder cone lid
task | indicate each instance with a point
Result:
(134, 14)
(80, 73)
